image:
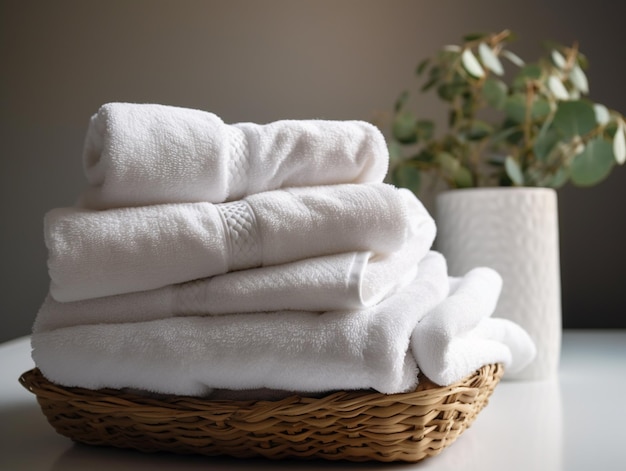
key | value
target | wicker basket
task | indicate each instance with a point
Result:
(355, 426)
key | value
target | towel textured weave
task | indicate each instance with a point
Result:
(102, 253)
(352, 280)
(139, 154)
(292, 350)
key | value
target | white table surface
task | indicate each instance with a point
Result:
(573, 422)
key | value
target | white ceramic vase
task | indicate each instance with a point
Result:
(515, 232)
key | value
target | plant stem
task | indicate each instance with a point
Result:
(530, 97)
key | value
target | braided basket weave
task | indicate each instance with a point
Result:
(355, 426)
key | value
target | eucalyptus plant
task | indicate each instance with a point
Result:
(510, 123)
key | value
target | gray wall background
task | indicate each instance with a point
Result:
(262, 61)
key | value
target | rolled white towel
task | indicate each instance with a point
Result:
(458, 336)
(353, 280)
(139, 154)
(296, 351)
(102, 253)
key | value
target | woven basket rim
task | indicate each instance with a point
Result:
(343, 425)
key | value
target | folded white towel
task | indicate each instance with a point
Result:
(458, 336)
(302, 351)
(138, 154)
(352, 280)
(101, 253)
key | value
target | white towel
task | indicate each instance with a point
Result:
(102, 253)
(301, 351)
(352, 280)
(138, 154)
(458, 336)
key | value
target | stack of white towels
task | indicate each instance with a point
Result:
(205, 257)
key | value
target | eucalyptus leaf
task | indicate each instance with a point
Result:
(530, 72)
(558, 59)
(559, 178)
(449, 91)
(425, 129)
(513, 171)
(531, 128)
(557, 88)
(581, 60)
(407, 176)
(515, 108)
(448, 164)
(579, 79)
(490, 59)
(513, 58)
(575, 118)
(474, 36)
(495, 92)
(463, 178)
(435, 71)
(506, 133)
(471, 64)
(404, 127)
(593, 164)
(395, 151)
(479, 130)
(545, 143)
(401, 101)
(424, 156)
(619, 145)
(574, 94)
(602, 114)
(421, 67)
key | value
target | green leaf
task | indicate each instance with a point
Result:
(474, 36)
(515, 108)
(490, 59)
(593, 164)
(463, 178)
(421, 67)
(513, 58)
(514, 171)
(407, 176)
(404, 127)
(471, 64)
(448, 164)
(429, 84)
(507, 132)
(479, 130)
(575, 118)
(453, 171)
(559, 178)
(401, 101)
(424, 156)
(449, 91)
(619, 145)
(557, 88)
(528, 72)
(582, 60)
(545, 143)
(395, 152)
(495, 92)
(425, 129)
(579, 79)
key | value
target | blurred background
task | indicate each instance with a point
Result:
(260, 61)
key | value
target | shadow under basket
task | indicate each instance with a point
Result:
(353, 426)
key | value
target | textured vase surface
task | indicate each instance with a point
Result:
(514, 231)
